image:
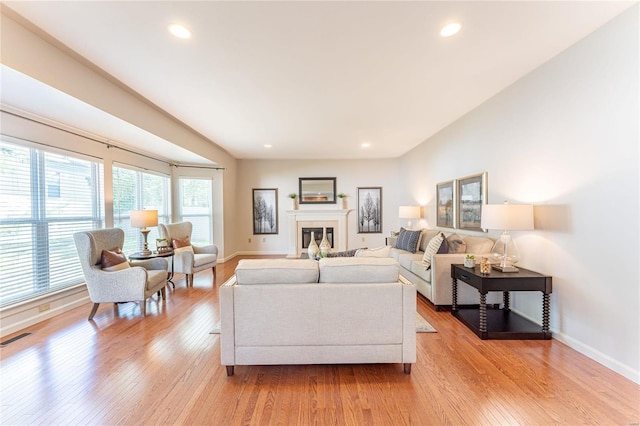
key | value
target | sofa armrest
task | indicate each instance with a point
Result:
(409, 321)
(441, 276)
(227, 325)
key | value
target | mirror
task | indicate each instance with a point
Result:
(317, 190)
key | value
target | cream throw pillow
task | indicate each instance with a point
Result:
(431, 249)
(376, 252)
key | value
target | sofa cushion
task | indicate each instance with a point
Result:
(408, 240)
(418, 268)
(405, 259)
(438, 244)
(478, 245)
(427, 235)
(358, 270)
(375, 252)
(456, 244)
(277, 271)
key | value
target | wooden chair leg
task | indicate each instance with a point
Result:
(164, 292)
(407, 368)
(93, 311)
(190, 280)
(229, 370)
(143, 307)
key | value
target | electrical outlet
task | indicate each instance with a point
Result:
(249, 239)
(264, 239)
(363, 239)
(44, 307)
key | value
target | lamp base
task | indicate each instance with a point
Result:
(505, 268)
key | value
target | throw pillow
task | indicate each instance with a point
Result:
(181, 242)
(408, 240)
(376, 252)
(113, 260)
(456, 244)
(434, 247)
(346, 253)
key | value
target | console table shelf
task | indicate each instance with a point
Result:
(501, 323)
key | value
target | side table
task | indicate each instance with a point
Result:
(501, 323)
(154, 254)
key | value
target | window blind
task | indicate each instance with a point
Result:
(44, 198)
(196, 207)
(137, 190)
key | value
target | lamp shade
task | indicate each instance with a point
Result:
(144, 218)
(409, 212)
(510, 217)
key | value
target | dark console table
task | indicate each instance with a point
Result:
(501, 323)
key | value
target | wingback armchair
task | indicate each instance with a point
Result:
(188, 260)
(135, 283)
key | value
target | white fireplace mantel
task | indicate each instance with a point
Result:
(336, 218)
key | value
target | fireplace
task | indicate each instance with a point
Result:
(317, 235)
(316, 219)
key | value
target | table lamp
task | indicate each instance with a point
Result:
(409, 212)
(508, 217)
(142, 219)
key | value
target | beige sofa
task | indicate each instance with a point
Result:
(336, 311)
(435, 283)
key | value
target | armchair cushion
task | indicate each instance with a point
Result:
(113, 260)
(203, 258)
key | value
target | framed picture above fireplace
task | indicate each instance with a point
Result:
(370, 210)
(265, 211)
(317, 190)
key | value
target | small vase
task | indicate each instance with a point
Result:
(325, 246)
(343, 203)
(294, 204)
(469, 263)
(313, 248)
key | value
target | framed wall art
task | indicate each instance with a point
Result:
(370, 210)
(265, 211)
(445, 204)
(472, 195)
(317, 190)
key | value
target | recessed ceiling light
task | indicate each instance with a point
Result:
(365, 145)
(179, 31)
(450, 29)
(268, 146)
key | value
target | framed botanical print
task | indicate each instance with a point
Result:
(265, 211)
(445, 198)
(370, 210)
(472, 195)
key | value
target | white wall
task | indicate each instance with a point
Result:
(565, 138)
(284, 174)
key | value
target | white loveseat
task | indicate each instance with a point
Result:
(336, 311)
(435, 283)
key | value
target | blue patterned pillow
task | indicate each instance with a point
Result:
(408, 240)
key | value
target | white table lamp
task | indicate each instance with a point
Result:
(143, 219)
(409, 212)
(508, 217)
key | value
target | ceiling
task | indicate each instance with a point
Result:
(312, 79)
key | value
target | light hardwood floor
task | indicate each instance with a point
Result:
(165, 369)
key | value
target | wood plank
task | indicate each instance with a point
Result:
(165, 369)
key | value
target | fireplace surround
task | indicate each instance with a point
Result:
(329, 218)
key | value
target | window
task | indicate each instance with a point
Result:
(44, 199)
(137, 190)
(196, 207)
